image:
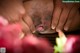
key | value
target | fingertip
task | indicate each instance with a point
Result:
(66, 28)
(3, 21)
(58, 30)
(53, 27)
(34, 31)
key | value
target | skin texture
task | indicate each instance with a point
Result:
(41, 15)
(64, 15)
(3, 22)
(40, 11)
(75, 24)
(13, 11)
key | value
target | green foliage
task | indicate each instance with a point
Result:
(60, 41)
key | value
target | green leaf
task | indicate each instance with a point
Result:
(60, 43)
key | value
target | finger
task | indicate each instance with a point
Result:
(56, 13)
(12, 10)
(3, 13)
(29, 22)
(63, 18)
(6, 8)
(70, 18)
(3, 21)
(25, 27)
(75, 24)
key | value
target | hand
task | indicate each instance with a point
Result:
(12, 10)
(66, 16)
(3, 22)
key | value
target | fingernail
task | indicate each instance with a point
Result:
(21, 35)
(53, 27)
(34, 31)
(66, 28)
(3, 21)
(58, 30)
